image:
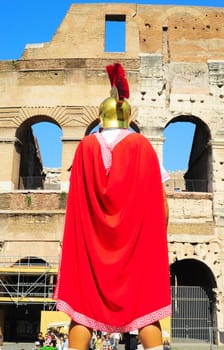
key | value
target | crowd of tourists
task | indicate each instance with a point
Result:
(105, 341)
(53, 340)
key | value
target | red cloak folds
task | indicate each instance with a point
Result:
(114, 271)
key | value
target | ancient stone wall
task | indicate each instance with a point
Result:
(174, 60)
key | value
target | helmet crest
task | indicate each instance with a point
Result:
(118, 80)
(115, 111)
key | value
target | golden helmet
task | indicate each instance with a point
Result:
(115, 111)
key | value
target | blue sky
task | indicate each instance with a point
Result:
(34, 21)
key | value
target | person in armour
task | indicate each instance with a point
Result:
(114, 270)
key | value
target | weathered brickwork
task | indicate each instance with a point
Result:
(174, 59)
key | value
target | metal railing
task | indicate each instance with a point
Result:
(189, 185)
(24, 290)
(176, 185)
(39, 183)
(191, 316)
(30, 280)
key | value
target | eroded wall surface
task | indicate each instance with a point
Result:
(174, 59)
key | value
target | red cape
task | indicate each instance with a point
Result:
(114, 271)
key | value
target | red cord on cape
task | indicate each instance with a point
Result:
(118, 80)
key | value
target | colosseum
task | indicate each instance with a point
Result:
(174, 61)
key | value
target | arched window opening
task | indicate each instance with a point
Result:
(48, 136)
(177, 146)
(193, 302)
(187, 155)
(31, 261)
(40, 148)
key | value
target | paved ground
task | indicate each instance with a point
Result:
(17, 346)
(29, 346)
(196, 347)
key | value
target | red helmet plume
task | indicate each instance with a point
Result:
(116, 74)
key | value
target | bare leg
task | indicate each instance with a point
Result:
(79, 336)
(151, 336)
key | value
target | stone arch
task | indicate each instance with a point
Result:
(188, 24)
(207, 251)
(30, 167)
(33, 120)
(188, 18)
(192, 272)
(187, 32)
(73, 120)
(198, 177)
(174, 10)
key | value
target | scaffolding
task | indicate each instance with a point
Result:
(28, 281)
